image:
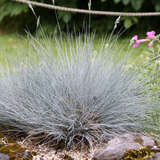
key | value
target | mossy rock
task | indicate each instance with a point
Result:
(145, 153)
(13, 151)
(67, 157)
(129, 146)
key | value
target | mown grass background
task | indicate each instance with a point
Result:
(11, 43)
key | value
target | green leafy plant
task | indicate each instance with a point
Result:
(10, 9)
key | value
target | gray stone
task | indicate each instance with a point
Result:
(4, 156)
(116, 147)
(156, 156)
(145, 140)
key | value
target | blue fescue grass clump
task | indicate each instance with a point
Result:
(79, 93)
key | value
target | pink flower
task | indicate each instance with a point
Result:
(142, 40)
(150, 44)
(136, 44)
(135, 38)
(150, 35)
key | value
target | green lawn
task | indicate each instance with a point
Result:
(13, 43)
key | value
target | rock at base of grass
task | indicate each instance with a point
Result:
(156, 156)
(128, 146)
(4, 156)
(10, 150)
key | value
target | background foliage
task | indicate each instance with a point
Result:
(15, 16)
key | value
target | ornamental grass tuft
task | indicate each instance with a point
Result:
(72, 92)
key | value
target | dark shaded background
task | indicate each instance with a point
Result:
(15, 17)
